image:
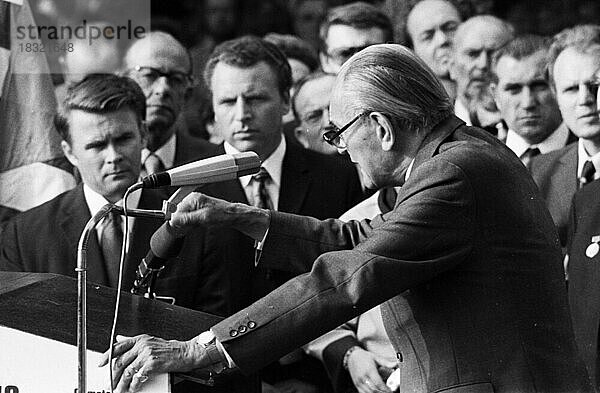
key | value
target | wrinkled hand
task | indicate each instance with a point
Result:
(199, 209)
(136, 359)
(362, 366)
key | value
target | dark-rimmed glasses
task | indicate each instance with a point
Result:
(148, 75)
(333, 135)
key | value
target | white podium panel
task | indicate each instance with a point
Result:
(34, 364)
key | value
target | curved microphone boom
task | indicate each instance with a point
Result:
(210, 170)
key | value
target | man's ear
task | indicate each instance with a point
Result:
(285, 98)
(68, 152)
(302, 137)
(384, 130)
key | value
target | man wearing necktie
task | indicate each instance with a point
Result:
(574, 61)
(525, 100)
(161, 66)
(102, 130)
(249, 80)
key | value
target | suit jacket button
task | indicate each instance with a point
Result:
(251, 325)
(242, 329)
(233, 333)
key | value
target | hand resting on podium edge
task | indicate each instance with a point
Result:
(137, 358)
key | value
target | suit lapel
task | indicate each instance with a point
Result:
(71, 225)
(294, 180)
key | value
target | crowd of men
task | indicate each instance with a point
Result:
(467, 252)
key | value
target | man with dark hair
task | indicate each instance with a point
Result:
(349, 28)
(103, 132)
(573, 65)
(526, 102)
(249, 79)
(302, 57)
(473, 289)
(162, 67)
(430, 27)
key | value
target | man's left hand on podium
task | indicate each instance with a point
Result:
(137, 358)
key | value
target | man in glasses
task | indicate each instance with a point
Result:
(162, 67)
(348, 29)
(473, 290)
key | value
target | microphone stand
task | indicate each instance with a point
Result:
(82, 281)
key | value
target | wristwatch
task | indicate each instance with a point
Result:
(208, 342)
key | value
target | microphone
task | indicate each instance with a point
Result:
(165, 243)
(210, 170)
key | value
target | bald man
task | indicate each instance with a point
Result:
(430, 28)
(162, 67)
(475, 42)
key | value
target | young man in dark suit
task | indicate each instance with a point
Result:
(473, 289)
(249, 79)
(103, 132)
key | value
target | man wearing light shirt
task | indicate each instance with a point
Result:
(249, 80)
(573, 65)
(525, 99)
(102, 129)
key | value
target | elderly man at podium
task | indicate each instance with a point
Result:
(467, 264)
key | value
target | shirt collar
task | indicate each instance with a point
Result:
(554, 141)
(461, 111)
(95, 201)
(166, 152)
(583, 156)
(273, 164)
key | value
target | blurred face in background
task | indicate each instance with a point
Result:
(474, 45)
(576, 84)
(343, 41)
(312, 106)
(524, 97)
(307, 17)
(220, 18)
(161, 66)
(431, 25)
(248, 107)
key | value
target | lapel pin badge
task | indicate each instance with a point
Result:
(593, 249)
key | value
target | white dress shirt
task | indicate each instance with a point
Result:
(273, 164)
(556, 140)
(461, 111)
(95, 202)
(583, 156)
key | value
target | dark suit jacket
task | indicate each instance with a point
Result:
(584, 275)
(555, 174)
(483, 280)
(44, 239)
(188, 149)
(312, 184)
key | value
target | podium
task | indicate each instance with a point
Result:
(39, 310)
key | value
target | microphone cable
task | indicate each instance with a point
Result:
(124, 247)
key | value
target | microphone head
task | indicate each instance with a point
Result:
(155, 180)
(165, 242)
(248, 163)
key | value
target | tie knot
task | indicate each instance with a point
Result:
(588, 172)
(153, 164)
(532, 152)
(262, 175)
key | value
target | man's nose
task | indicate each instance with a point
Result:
(242, 109)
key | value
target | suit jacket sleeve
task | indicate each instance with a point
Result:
(428, 233)
(10, 256)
